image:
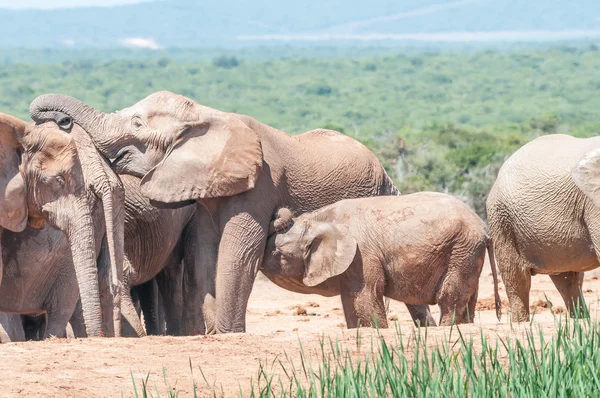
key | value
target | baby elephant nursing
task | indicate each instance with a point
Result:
(424, 248)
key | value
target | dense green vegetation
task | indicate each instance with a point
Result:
(441, 122)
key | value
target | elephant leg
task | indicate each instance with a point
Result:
(364, 302)
(147, 294)
(170, 287)
(34, 326)
(457, 294)
(77, 322)
(56, 324)
(515, 273)
(348, 305)
(128, 309)
(59, 307)
(421, 315)
(370, 309)
(472, 304)
(200, 261)
(11, 328)
(518, 284)
(160, 313)
(240, 255)
(569, 285)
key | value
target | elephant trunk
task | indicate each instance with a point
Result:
(108, 187)
(114, 216)
(55, 106)
(80, 233)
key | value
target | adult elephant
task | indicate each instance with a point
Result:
(155, 241)
(39, 277)
(544, 218)
(238, 170)
(66, 180)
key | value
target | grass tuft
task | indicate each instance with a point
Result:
(567, 365)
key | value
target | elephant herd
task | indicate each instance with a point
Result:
(171, 208)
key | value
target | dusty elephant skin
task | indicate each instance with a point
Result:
(155, 246)
(56, 180)
(544, 218)
(11, 328)
(424, 248)
(238, 170)
(40, 278)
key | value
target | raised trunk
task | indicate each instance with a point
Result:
(81, 237)
(52, 106)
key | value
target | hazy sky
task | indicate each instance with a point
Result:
(61, 3)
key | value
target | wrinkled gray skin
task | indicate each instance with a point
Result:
(149, 302)
(424, 248)
(16, 327)
(544, 218)
(11, 328)
(153, 243)
(67, 180)
(39, 275)
(238, 171)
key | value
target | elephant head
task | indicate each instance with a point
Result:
(65, 176)
(183, 151)
(310, 251)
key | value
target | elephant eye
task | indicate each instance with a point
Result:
(58, 183)
(136, 123)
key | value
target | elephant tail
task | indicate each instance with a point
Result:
(388, 186)
(498, 302)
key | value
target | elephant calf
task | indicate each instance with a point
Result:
(424, 248)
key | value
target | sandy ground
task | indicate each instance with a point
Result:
(277, 320)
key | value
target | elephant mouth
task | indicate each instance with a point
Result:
(121, 164)
(36, 222)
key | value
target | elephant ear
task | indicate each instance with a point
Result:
(330, 253)
(586, 175)
(209, 159)
(13, 193)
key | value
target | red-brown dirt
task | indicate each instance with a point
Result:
(276, 321)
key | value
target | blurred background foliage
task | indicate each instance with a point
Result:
(437, 121)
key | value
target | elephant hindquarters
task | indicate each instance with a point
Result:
(514, 269)
(458, 291)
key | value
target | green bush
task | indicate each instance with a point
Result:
(226, 62)
(442, 122)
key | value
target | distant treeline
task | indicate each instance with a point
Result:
(440, 122)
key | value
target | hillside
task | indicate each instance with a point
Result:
(190, 23)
